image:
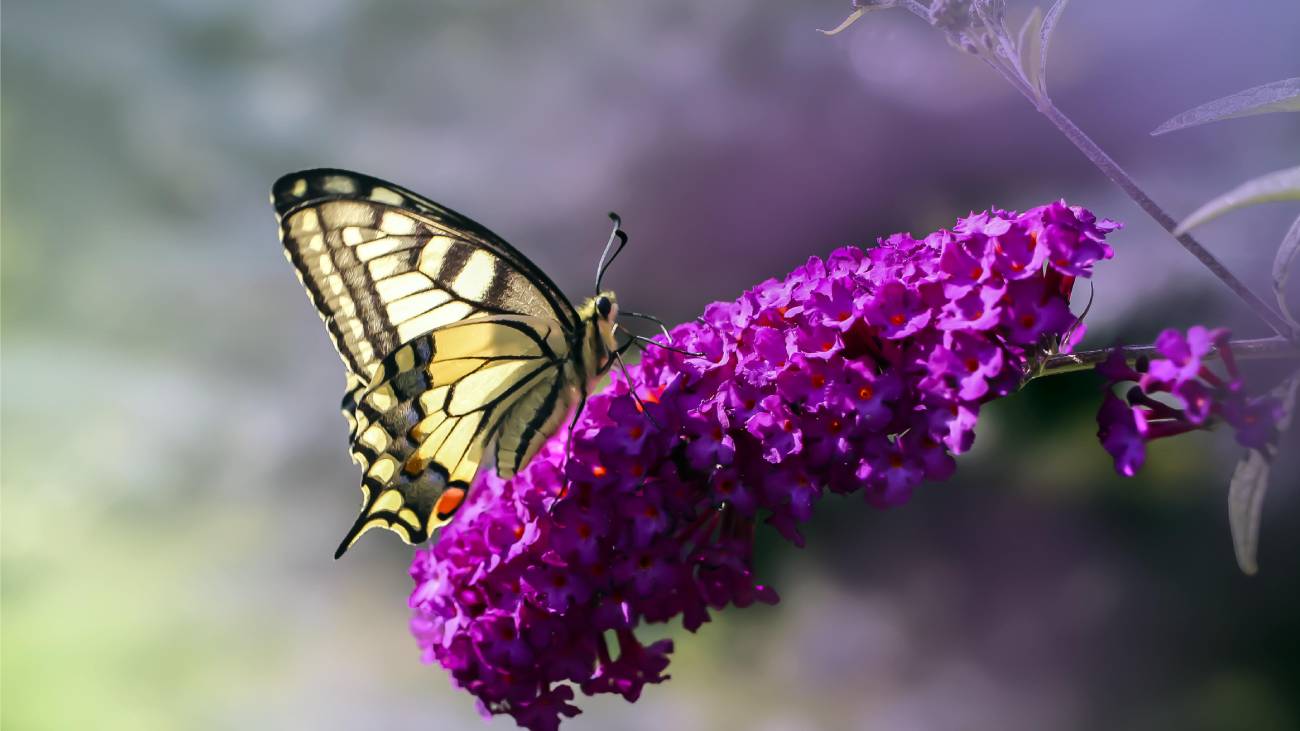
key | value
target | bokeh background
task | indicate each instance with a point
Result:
(174, 470)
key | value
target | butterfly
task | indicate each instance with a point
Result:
(459, 350)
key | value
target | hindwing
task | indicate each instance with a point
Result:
(437, 404)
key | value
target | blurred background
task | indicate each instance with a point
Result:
(175, 475)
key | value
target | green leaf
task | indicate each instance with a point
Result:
(1245, 505)
(1286, 254)
(1031, 49)
(1045, 35)
(1250, 482)
(1279, 96)
(1282, 185)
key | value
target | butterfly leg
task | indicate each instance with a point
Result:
(568, 447)
(631, 388)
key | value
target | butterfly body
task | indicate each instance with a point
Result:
(459, 350)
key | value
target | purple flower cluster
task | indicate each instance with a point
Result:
(1201, 396)
(861, 372)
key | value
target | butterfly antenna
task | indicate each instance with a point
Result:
(657, 344)
(606, 258)
(641, 315)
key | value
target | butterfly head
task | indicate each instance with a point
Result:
(604, 314)
(599, 315)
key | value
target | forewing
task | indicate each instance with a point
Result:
(384, 265)
(433, 407)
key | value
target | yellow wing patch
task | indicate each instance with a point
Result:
(437, 403)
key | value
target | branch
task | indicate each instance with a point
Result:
(1256, 349)
(995, 47)
(1112, 170)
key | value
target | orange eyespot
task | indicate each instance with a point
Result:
(448, 502)
(897, 319)
(599, 471)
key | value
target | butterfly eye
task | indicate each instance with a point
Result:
(603, 306)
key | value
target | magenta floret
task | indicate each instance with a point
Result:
(863, 372)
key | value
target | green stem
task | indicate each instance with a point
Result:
(1256, 349)
(1112, 170)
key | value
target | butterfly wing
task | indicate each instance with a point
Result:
(439, 402)
(388, 272)
(383, 264)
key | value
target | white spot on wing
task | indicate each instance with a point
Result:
(387, 195)
(304, 221)
(448, 313)
(377, 248)
(353, 236)
(402, 285)
(474, 280)
(416, 304)
(397, 223)
(433, 253)
(339, 184)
